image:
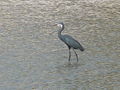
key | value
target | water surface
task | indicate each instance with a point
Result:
(33, 59)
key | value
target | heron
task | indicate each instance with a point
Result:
(69, 41)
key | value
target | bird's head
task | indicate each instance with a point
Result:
(61, 24)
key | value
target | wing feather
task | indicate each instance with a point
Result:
(70, 41)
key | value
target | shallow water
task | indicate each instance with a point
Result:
(31, 58)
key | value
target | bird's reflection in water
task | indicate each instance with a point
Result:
(72, 65)
(69, 66)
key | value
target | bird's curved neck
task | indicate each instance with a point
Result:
(60, 30)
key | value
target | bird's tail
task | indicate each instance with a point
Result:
(81, 48)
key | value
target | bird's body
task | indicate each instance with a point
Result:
(69, 41)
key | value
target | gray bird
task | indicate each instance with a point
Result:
(69, 41)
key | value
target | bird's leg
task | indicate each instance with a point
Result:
(69, 55)
(76, 55)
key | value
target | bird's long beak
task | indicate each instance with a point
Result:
(53, 32)
(55, 24)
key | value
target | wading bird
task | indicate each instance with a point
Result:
(69, 41)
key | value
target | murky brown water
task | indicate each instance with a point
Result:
(33, 59)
